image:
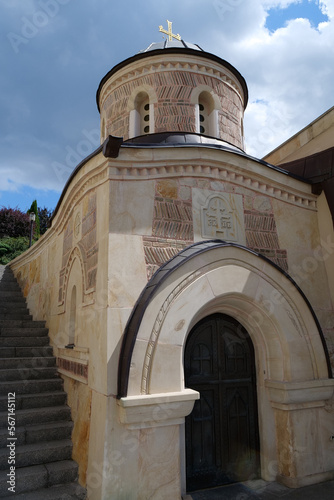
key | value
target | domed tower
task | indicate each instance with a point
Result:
(173, 86)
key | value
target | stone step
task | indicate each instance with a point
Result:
(71, 491)
(10, 285)
(10, 293)
(37, 453)
(6, 279)
(23, 341)
(24, 352)
(7, 276)
(16, 298)
(16, 307)
(44, 399)
(19, 323)
(23, 332)
(41, 415)
(24, 374)
(43, 426)
(19, 314)
(27, 479)
(39, 432)
(28, 362)
(31, 386)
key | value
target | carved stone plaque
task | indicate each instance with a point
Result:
(219, 219)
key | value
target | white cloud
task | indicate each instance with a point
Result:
(289, 73)
(45, 90)
(327, 7)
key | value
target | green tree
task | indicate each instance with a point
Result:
(44, 215)
(34, 210)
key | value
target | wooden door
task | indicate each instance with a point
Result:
(222, 444)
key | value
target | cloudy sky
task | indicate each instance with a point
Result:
(53, 54)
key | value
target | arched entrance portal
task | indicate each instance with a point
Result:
(293, 372)
(222, 439)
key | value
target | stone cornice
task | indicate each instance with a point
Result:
(216, 170)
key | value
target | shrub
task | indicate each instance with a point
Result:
(12, 247)
(13, 223)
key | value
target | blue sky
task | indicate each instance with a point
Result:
(278, 16)
(53, 54)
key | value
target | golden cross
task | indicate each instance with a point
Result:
(169, 32)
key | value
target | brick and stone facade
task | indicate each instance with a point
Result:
(173, 86)
(268, 264)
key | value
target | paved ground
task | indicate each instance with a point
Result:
(262, 490)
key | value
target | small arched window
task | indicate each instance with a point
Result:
(207, 115)
(141, 120)
(144, 112)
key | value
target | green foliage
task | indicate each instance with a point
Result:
(44, 215)
(12, 247)
(15, 229)
(34, 210)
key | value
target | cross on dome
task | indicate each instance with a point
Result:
(169, 32)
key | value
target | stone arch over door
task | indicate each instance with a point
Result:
(292, 363)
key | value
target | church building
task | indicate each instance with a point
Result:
(188, 288)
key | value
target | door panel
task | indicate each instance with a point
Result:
(222, 431)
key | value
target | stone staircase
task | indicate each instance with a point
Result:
(42, 446)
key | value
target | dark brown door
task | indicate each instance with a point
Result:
(222, 444)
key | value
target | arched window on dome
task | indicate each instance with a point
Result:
(141, 119)
(207, 115)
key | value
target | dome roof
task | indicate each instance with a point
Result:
(171, 44)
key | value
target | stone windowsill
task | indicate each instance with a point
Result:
(80, 354)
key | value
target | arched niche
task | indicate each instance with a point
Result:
(74, 294)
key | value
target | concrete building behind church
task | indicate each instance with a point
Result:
(196, 285)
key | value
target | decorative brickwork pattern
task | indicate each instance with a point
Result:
(73, 367)
(261, 236)
(173, 108)
(172, 225)
(159, 250)
(173, 219)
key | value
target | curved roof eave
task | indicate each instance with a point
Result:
(73, 174)
(143, 55)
